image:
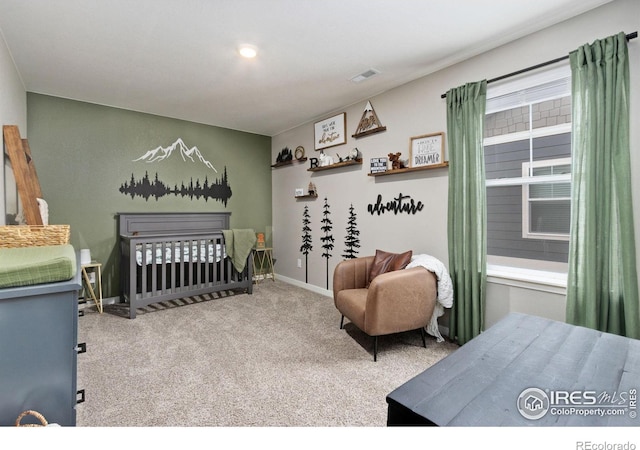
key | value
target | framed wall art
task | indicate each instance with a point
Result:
(330, 132)
(426, 150)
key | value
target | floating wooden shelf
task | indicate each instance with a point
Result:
(308, 196)
(288, 163)
(409, 169)
(351, 162)
(369, 132)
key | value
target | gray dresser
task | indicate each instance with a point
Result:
(38, 351)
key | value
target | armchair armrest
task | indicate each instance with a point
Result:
(351, 274)
(399, 301)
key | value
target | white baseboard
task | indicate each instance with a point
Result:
(307, 286)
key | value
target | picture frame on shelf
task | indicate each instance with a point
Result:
(426, 150)
(330, 132)
(378, 165)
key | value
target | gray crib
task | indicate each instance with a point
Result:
(167, 256)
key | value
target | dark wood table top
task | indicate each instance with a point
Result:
(524, 371)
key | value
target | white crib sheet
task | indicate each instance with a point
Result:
(177, 252)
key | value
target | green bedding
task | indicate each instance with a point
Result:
(26, 266)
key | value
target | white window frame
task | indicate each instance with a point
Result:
(527, 168)
(544, 276)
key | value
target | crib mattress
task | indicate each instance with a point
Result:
(26, 266)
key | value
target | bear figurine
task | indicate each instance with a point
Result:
(395, 160)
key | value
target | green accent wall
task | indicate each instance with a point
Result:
(84, 153)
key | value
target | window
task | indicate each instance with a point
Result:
(528, 170)
(546, 207)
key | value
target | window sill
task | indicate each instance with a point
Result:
(538, 280)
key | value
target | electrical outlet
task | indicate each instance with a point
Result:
(92, 277)
(299, 263)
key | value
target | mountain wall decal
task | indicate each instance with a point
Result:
(179, 147)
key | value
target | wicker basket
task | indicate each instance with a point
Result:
(36, 414)
(12, 236)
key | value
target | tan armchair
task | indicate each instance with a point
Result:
(393, 302)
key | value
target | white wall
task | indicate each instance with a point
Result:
(13, 105)
(413, 109)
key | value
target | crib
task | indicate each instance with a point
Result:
(168, 256)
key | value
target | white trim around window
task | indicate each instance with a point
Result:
(526, 201)
(537, 275)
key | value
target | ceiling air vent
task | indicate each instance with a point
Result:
(365, 75)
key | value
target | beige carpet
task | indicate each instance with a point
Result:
(274, 358)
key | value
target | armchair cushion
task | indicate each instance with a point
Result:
(385, 262)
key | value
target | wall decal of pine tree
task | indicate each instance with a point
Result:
(352, 241)
(306, 241)
(327, 239)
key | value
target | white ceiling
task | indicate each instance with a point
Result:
(177, 58)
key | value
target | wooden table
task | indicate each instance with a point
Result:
(527, 371)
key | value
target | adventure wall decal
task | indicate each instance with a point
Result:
(400, 204)
(178, 152)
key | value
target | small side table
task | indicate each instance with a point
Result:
(263, 264)
(88, 285)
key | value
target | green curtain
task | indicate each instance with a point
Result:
(602, 287)
(467, 215)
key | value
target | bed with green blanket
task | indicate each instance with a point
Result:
(28, 266)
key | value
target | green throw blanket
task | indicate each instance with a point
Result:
(238, 245)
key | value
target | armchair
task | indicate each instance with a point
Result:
(393, 302)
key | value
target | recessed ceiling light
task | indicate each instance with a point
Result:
(248, 51)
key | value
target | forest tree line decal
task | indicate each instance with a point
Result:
(144, 187)
(218, 190)
(352, 241)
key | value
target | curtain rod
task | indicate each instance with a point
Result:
(537, 66)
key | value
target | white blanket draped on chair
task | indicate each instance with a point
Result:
(445, 289)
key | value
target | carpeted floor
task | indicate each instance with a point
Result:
(274, 358)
